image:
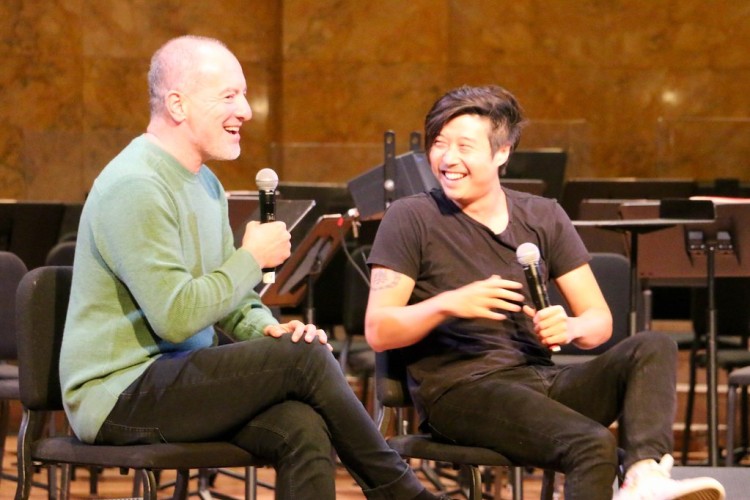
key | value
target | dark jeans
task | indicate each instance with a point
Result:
(284, 401)
(557, 417)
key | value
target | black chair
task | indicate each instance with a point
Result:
(739, 379)
(393, 397)
(612, 272)
(12, 270)
(42, 303)
(732, 337)
(355, 355)
(61, 254)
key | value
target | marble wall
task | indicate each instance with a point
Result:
(644, 88)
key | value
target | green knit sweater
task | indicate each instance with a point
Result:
(155, 269)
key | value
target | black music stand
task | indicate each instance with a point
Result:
(634, 228)
(30, 229)
(699, 253)
(297, 276)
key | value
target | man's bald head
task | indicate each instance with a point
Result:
(177, 66)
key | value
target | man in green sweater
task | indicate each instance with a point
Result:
(156, 269)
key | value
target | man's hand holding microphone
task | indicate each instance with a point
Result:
(268, 241)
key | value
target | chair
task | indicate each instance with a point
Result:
(732, 337)
(61, 254)
(739, 379)
(355, 355)
(612, 272)
(42, 303)
(12, 270)
(393, 396)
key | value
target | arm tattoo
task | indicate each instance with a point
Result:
(383, 279)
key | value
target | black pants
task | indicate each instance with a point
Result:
(557, 417)
(284, 401)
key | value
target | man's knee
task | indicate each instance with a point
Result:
(286, 430)
(597, 446)
(656, 345)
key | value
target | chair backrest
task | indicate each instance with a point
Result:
(612, 272)
(61, 254)
(732, 307)
(391, 380)
(42, 304)
(12, 269)
(356, 291)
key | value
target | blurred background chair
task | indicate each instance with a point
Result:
(12, 270)
(612, 272)
(732, 337)
(61, 254)
(42, 302)
(738, 380)
(355, 355)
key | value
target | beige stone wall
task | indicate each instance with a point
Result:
(647, 88)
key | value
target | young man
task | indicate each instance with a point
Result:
(155, 269)
(447, 288)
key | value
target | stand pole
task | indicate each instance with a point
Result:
(711, 369)
(633, 319)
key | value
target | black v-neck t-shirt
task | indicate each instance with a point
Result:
(428, 238)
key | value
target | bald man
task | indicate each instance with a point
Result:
(156, 269)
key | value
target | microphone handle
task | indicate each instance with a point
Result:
(538, 291)
(267, 201)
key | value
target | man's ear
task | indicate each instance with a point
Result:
(501, 155)
(176, 105)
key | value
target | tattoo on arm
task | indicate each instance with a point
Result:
(383, 279)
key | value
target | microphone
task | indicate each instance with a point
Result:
(528, 256)
(267, 180)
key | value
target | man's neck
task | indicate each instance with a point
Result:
(491, 210)
(175, 145)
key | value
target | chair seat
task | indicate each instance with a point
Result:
(740, 376)
(728, 359)
(67, 449)
(8, 370)
(10, 389)
(425, 447)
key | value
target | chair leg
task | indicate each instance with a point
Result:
(475, 487)
(65, 476)
(517, 479)
(148, 481)
(744, 438)
(251, 483)
(181, 485)
(731, 403)
(548, 485)
(689, 404)
(4, 420)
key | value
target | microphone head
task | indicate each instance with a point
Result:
(267, 180)
(527, 254)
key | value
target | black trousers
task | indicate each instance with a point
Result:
(557, 417)
(282, 400)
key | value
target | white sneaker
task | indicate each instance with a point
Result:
(648, 480)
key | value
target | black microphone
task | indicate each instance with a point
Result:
(267, 180)
(528, 256)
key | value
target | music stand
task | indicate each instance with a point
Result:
(298, 274)
(634, 228)
(30, 229)
(244, 206)
(700, 253)
(547, 164)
